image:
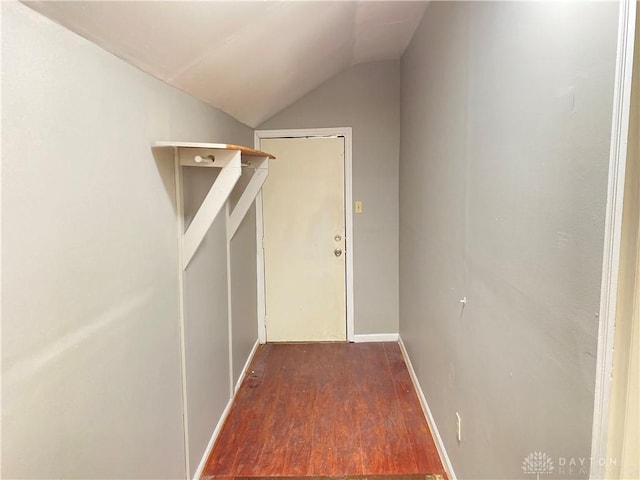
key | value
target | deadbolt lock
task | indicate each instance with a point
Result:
(337, 238)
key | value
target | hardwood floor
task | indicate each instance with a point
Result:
(325, 409)
(414, 476)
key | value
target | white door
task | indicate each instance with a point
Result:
(304, 230)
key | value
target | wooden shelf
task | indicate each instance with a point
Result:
(230, 159)
(220, 146)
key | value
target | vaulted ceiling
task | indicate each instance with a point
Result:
(249, 59)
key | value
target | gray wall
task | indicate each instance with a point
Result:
(244, 287)
(90, 353)
(244, 302)
(366, 98)
(206, 323)
(506, 117)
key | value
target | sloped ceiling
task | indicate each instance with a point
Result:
(249, 59)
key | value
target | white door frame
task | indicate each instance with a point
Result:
(348, 206)
(612, 236)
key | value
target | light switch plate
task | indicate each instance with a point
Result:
(358, 208)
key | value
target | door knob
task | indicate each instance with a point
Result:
(337, 238)
(337, 252)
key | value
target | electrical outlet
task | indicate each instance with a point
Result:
(458, 427)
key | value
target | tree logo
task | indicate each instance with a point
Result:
(538, 463)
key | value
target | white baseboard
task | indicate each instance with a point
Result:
(223, 417)
(246, 366)
(446, 462)
(376, 337)
(212, 441)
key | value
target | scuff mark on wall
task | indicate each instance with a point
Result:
(21, 369)
(565, 100)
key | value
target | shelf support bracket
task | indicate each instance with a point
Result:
(211, 205)
(248, 197)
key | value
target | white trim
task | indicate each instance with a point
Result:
(229, 304)
(442, 451)
(260, 297)
(376, 337)
(183, 353)
(223, 417)
(214, 436)
(345, 132)
(246, 366)
(613, 233)
(348, 193)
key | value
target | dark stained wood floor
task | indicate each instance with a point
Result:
(325, 409)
